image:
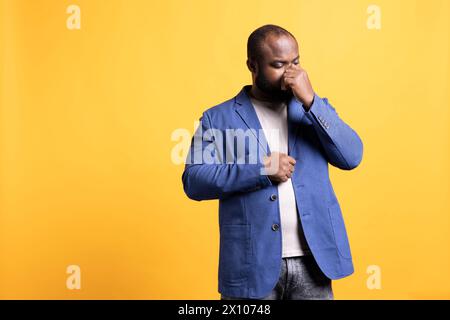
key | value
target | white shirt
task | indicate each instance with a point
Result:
(273, 119)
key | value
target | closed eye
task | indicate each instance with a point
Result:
(279, 65)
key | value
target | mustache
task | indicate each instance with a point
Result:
(271, 89)
(277, 93)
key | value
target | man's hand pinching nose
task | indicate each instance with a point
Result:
(297, 79)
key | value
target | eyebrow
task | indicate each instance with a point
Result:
(276, 60)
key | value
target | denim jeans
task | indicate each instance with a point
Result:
(300, 279)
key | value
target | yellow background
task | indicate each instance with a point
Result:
(86, 118)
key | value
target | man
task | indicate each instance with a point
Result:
(282, 234)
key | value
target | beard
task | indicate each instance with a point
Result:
(273, 91)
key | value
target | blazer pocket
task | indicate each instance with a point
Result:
(235, 251)
(339, 231)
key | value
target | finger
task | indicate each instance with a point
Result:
(287, 82)
(288, 168)
(291, 160)
(290, 80)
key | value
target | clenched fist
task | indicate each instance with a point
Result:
(279, 166)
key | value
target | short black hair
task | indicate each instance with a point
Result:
(257, 37)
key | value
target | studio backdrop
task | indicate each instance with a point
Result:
(98, 103)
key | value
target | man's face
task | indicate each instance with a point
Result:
(277, 54)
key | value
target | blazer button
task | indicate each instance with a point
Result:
(273, 197)
(275, 227)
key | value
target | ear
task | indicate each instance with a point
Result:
(251, 65)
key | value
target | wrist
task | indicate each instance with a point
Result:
(307, 104)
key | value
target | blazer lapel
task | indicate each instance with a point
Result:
(243, 106)
(292, 126)
(295, 116)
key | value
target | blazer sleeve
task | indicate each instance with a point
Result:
(342, 145)
(206, 181)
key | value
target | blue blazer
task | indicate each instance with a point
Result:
(249, 217)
